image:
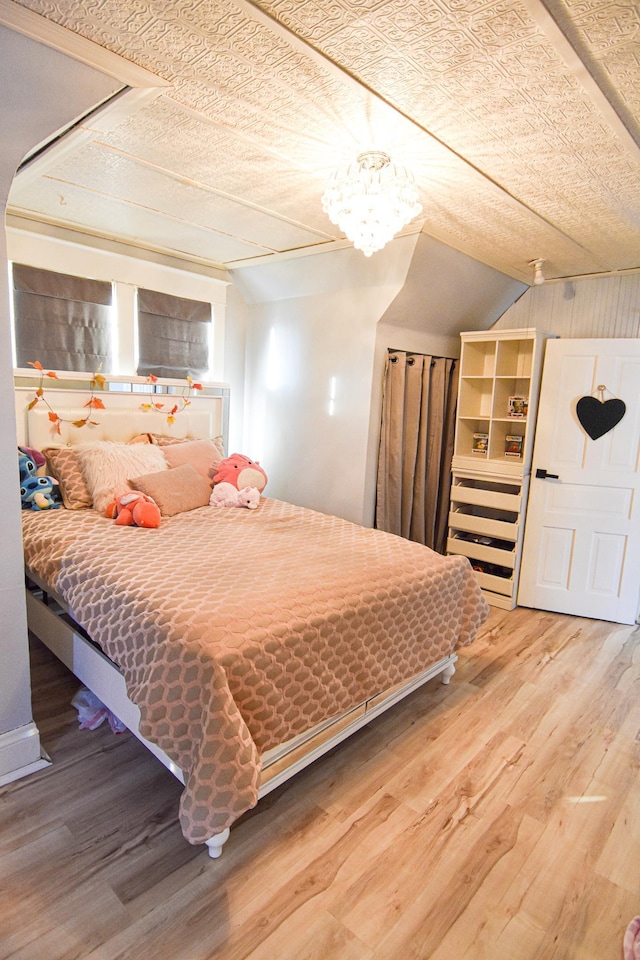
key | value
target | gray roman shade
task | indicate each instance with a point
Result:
(62, 321)
(173, 336)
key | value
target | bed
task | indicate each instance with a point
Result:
(239, 645)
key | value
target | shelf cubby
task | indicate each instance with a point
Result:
(481, 359)
(502, 390)
(475, 397)
(514, 357)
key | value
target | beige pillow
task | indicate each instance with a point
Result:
(107, 467)
(64, 464)
(174, 490)
(204, 455)
(164, 441)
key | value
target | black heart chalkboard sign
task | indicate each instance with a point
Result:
(596, 417)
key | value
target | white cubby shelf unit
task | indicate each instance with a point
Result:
(499, 380)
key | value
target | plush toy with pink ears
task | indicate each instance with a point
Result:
(240, 471)
(134, 509)
(225, 495)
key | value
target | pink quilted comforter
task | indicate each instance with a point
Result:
(236, 630)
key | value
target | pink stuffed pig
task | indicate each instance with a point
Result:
(240, 471)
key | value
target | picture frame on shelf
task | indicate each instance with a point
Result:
(518, 407)
(480, 445)
(513, 446)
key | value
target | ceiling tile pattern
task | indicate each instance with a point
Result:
(609, 33)
(496, 92)
(517, 120)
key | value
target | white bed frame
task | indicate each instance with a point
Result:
(51, 623)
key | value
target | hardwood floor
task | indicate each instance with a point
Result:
(495, 818)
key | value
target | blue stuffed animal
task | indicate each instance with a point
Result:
(27, 465)
(37, 493)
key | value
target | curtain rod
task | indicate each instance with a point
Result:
(416, 353)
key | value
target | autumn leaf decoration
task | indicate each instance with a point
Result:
(93, 403)
(181, 404)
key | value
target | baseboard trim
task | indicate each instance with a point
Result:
(21, 753)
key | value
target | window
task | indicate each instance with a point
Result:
(173, 336)
(60, 320)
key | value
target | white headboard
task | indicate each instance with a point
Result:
(207, 414)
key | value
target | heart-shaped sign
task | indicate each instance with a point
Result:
(596, 417)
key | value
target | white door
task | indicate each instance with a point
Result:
(581, 552)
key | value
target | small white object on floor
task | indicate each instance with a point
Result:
(92, 712)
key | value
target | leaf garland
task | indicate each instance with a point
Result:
(97, 382)
(93, 403)
(183, 401)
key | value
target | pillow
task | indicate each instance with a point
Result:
(204, 455)
(164, 441)
(64, 464)
(107, 467)
(175, 490)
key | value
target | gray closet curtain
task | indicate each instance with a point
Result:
(416, 447)
(173, 335)
(60, 320)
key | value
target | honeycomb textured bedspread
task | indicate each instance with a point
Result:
(236, 630)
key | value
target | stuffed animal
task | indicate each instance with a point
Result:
(134, 509)
(240, 471)
(226, 495)
(27, 464)
(37, 493)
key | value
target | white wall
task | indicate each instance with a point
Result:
(234, 365)
(318, 331)
(41, 91)
(585, 308)
(310, 349)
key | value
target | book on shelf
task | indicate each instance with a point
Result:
(518, 407)
(480, 444)
(513, 446)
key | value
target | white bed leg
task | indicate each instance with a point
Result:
(448, 672)
(216, 843)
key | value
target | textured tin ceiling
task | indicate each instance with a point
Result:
(520, 121)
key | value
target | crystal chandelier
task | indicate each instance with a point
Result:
(371, 200)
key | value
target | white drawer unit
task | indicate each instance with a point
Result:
(485, 525)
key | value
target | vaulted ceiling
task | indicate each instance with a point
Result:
(520, 121)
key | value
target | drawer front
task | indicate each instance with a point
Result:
(496, 584)
(486, 498)
(477, 551)
(484, 526)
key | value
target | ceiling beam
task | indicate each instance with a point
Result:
(124, 104)
(556, 36)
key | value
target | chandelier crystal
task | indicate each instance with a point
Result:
(371, 200)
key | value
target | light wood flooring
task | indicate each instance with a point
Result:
(496, 818)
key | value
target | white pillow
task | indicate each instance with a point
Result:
(108, 466)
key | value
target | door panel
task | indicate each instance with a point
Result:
(581, 552)
(555, 557)
(604, 566)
